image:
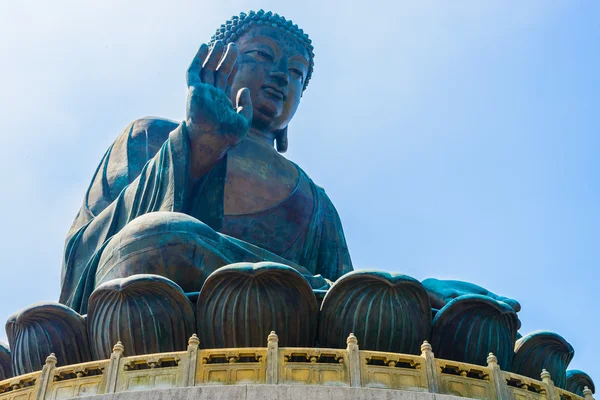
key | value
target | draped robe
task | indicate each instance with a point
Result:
(146, 170)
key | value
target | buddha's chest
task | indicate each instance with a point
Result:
(267, 207)
(255, 184)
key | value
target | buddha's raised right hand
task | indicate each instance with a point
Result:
(213, 124)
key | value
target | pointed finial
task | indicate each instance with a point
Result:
(51, 360)
(194, 340)
(587, 393)
(546, 377)
(272, 337)
(352, 339)
(118, 348)
(492, 359)
(426, 347)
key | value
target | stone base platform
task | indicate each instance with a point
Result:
(290, 373)
(273, 392)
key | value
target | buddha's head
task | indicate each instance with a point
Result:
(275, 61)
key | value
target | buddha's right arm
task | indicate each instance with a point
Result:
(160, 186)
(163, 184)
(123, 162)
(205, 152)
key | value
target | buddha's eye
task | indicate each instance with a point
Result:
(262, 54)
(297, 73)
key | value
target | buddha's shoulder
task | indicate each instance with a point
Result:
(302, 172)
(151, 126)
(319, 190)
(147, 134)
(322, 196)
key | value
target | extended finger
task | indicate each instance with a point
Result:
(211, 63)
(232, 75)
(193, 72)
(225, 66)
(244, 104)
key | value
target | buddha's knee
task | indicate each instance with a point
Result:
(173, 245)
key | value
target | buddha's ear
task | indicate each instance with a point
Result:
(281, 140)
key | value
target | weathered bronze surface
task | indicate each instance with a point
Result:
(386, 312)
(5, 362)
(543, 350)
(443, 291)
(147, 313)
(578, 380)
(241, 303)
(469, 327)
(44, 328)
(220, 167)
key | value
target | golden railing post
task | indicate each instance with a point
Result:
(430, 368)
(46, 377)
(192, 361)
(272, 373)
(353, 360)
(500, 385)
(551, 393)
(113, 367)
(587, 393)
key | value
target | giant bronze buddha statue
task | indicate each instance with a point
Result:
(203, 226)
(213, 189)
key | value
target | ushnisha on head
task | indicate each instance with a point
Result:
(234, 28)
(275, 62)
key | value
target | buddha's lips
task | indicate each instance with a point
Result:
(274, 92)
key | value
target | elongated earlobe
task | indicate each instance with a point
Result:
(281, 140)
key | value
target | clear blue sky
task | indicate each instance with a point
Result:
(458, 139)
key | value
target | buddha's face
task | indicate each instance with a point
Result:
(273, 65)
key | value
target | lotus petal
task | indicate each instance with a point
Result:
(44, 328)
(386, 312)
(240, 304)
(470, 327)
(147, 313)
(5, 362)
(577, 380)
(543, 350)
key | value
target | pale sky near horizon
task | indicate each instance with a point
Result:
(457, 139)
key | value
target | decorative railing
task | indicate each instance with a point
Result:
(25, 385)
(273, 365)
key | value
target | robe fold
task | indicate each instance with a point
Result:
(146, 170)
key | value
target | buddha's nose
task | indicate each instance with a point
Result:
(280, 78)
